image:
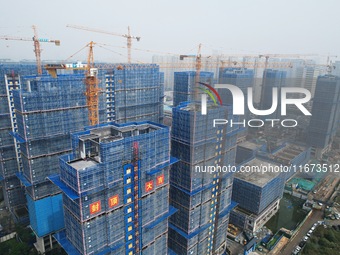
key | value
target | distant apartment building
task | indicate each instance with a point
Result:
(242, 78)
(336, 68)
(325, 115)
(134, 92)
(311, 76)
(185, 87)
(169, 65)
(271, 79)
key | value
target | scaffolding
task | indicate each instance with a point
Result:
(134, 92)
(115, 187)
(203, 199)
(10, 163)
(255, 191)
(47, 111)
(49, 107)
(184, 85)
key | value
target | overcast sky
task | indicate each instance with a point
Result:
(239, 26)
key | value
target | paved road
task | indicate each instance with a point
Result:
(315, 216)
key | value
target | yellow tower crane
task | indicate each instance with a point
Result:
(92, 90)
(128, 36)
(91, 82)
(198, 67)
(36, 41)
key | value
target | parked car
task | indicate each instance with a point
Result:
(302, 243)
(295, 252)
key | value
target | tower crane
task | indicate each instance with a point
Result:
(330, 65)
(91, 82)
(36, 41)
(198, 66)
(329, 61)
(128, 36)
(267, 56)
(92, 90)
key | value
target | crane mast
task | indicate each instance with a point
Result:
(198, 71)
(37, 50)
(129, 45)
(92, 90)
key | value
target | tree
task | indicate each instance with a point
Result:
(324, 242)
(330, 236)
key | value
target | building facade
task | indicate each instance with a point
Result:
(325, 115)
(45, 110)
(203, 199)
(115, 187)
(10, 161)
(242, 78)
(257, 193)
(184, 85)
(271, 79)
(134, 92)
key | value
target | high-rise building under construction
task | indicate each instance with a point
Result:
(242, 78)
(271, 79)
(115, 187)
(325, 115)
(203, 198)
(45, 110)
(10, 161)
(134, 92)
(184, 86)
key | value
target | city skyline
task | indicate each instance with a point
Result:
(176, 28)
(169, 127)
